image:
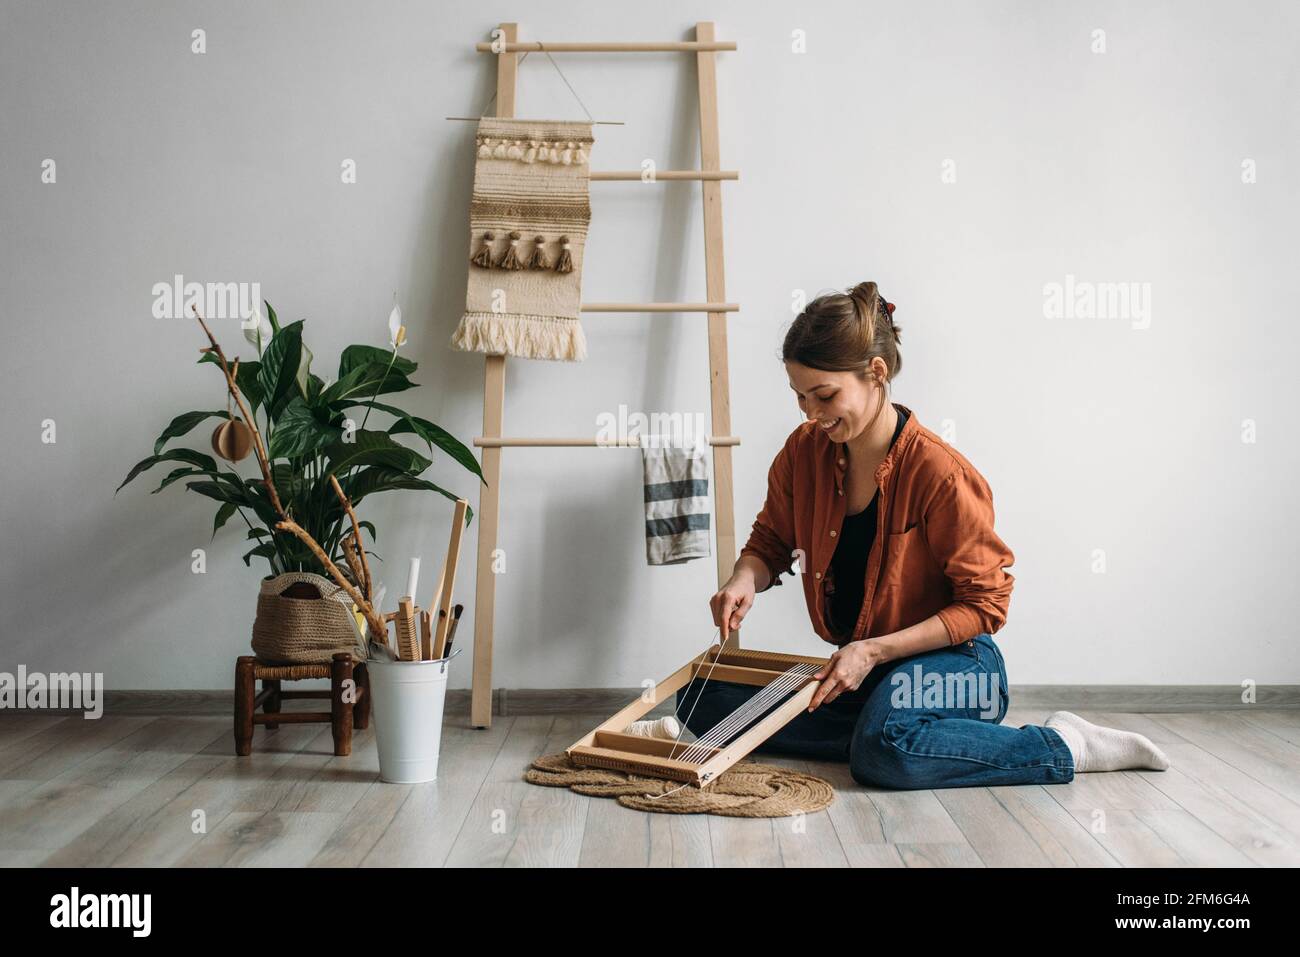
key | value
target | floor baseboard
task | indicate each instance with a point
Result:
(1142, 699)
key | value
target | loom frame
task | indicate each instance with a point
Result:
(607, 746)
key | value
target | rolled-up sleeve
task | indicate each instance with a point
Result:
(959, 530)
(771, 539)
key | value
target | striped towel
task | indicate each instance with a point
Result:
(676, 502)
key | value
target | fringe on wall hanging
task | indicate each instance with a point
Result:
(529, 215)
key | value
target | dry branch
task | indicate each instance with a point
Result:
(356, 534)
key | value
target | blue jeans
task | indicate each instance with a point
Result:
(928, 721)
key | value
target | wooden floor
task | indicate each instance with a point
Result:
(127, 790)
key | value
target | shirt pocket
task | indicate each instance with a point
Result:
(907, 561)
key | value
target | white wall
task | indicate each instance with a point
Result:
(1122, 166)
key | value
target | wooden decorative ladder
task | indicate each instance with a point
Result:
(507, 49)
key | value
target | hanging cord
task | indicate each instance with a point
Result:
(684, 721)
(484, 112)
(699, 694)
(749, 712)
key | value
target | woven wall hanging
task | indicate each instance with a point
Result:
(528, 225)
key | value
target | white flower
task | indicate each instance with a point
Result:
(257, 329)
(396, 331)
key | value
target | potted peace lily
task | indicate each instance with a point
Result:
(319, 457)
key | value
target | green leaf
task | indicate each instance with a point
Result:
(300, 433)
(279, 368)
(246, 377)
(290, 485)
(255, 496)
(356, 356)
(204, 462)
(365, 381)
(304, 370)
(220, 491)
(181, 425)
(379, 479)
(432, 434)
(315, 385)
(352, 384)
(177, 474)
(369, 527)
(256, 532)
(265, 550)
(223, 513)
(374, 448)
(270, 317)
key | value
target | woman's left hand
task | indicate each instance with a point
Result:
(843, 672)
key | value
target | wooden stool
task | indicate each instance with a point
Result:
(343, 715)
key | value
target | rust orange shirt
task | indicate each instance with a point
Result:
(935, 550)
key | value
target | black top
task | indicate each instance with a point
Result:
(850, 559)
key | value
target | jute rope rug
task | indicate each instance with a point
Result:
(747, 789)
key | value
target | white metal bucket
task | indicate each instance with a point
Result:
(407, 705)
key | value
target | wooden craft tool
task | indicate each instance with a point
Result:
(436, 601)
(408, 639)
(426, 636)
(448, 583)
(786, 686)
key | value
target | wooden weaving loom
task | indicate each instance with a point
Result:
(701, 762)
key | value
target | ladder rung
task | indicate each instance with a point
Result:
(498, 442)
(660, 307)
(620, 175)
(662, 46)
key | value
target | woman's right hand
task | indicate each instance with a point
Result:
(732, 602)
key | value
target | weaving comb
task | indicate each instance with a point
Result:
(609, 747)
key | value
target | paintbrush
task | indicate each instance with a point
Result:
(451, 632)
(440, 635)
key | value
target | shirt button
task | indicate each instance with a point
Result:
(833, 533)
(817, 575)
(841, 461)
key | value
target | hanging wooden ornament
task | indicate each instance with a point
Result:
(232, 440)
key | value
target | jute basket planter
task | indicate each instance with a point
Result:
(294, 627)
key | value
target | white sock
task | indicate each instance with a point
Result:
(665, 727)
(1095, 748)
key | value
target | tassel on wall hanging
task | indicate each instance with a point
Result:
(529, 216)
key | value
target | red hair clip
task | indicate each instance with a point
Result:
(889, 307)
